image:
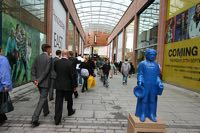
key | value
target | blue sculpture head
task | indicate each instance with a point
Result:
(150, 54)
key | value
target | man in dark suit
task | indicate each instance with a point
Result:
(64, 85)
(53, 74)
(40, 72)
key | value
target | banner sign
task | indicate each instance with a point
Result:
(59, 27)
(182, 49)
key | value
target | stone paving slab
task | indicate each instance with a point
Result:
(104, 110)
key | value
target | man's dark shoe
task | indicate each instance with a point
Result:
(76, 94)
(2, 122)
(35, 124)
(57, 122)
(71, 113)
(46, 114)
(50, 99)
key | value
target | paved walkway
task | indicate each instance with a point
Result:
(104, 110)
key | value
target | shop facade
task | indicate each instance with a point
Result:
(25, 25)
(169, 26)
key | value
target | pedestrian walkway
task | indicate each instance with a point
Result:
(104, 110)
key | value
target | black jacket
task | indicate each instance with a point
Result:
(64, 75)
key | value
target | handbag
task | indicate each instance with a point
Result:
(5, 103)
(84, 72)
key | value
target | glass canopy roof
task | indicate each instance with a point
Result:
(35, 7)
(100, 15)
(149, 17)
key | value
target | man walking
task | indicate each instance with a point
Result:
(53, 74)
(40, 76)
(64, 85)
(125, 68)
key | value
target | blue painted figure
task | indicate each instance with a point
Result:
(149, 86)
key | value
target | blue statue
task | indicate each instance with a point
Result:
(149, 86)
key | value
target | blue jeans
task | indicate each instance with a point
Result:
(79, 76)
(105, 80)
(125, 77)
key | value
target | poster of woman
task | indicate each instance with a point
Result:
(194, 21)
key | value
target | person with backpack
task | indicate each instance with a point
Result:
(125, 68)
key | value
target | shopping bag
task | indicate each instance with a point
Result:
(90, 80)
(94, 82)
(5, 103)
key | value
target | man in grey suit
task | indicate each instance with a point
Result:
(40, 72)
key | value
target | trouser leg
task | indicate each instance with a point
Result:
(42, 104)
(69, 101)
(59, 105)
(51, 90)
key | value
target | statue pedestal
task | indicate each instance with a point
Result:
(136, 126)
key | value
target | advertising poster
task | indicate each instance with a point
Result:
(170, 26)
(182, 49)
(59, 27)
(21, 44)
(181, 27)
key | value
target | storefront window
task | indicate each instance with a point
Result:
(148, 29)
(111, 54)
(22, 33)
(79, 45)
(71, 35)
(119, 47)
(115, 49)
(129, 41)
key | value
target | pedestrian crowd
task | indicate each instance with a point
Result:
(62, 74)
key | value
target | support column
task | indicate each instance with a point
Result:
(161, 32)
(49, 19)
(135, 38)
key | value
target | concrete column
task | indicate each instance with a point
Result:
(49, 19)
(135, 38)
(161, 32)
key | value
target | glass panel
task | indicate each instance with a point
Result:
(35, 7)
(71, 36)
(148, 25)
(129, 41)
(101, 8)
(119, 48)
